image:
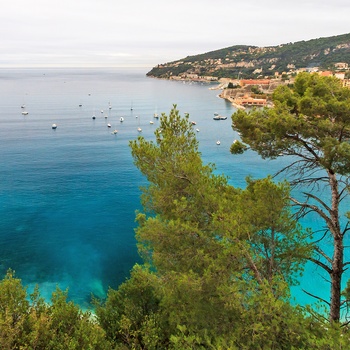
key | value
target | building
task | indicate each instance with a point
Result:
(245, 82)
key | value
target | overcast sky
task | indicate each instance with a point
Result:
(147, 32)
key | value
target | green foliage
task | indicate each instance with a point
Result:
(34, 324)
(313, 119)
(255, 90)
(130, 315)
(310, 122)
(238, 147)
(206, 242)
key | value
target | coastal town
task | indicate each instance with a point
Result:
(247, 75)
(243, 93)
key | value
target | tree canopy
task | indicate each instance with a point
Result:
(309, 122)
(218, 260)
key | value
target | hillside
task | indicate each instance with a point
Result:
(251, 61)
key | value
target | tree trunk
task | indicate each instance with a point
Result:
(336, 276)
(338, 253)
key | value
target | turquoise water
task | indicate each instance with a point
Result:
(68, 196)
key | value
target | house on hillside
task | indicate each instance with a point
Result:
(250, 101)
(341, 65)
(245, 82)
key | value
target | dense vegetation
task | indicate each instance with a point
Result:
(218, 260)
(311, 124)
(243, 60)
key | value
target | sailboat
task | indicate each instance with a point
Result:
(23, 106)
(155, 114)
(139, 128)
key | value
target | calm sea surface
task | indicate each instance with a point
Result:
(68, 196)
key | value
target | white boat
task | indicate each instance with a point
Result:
(109, 125)
(197, 130)
(138, 123)
(151, 122)
(121, 119)
(23, 106)
(218, 142)
(219, 117)
(24, 112)
(115, 131)
(155, 115)
(54, 126)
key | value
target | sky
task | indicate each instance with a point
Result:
(144, 33)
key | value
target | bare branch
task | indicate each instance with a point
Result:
(321, 252)
(321, 264)
(317, 199)
(316, 210)
(316, 297)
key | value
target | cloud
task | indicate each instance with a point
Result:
(108, 32)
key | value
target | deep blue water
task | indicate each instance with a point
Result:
(68, 196)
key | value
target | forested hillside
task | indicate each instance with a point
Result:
(252, 61)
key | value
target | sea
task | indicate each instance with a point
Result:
(68, 195)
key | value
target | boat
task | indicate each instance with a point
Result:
(115, 131)
(121, 119)
(24, 112)
(197, 130)
(138, 128)
(218, 142)
(109, 125)
(219, 117)
(23, 106)
(155, 114)
(151, 122)
(193, 122)
(54, 126)
(93, 117)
